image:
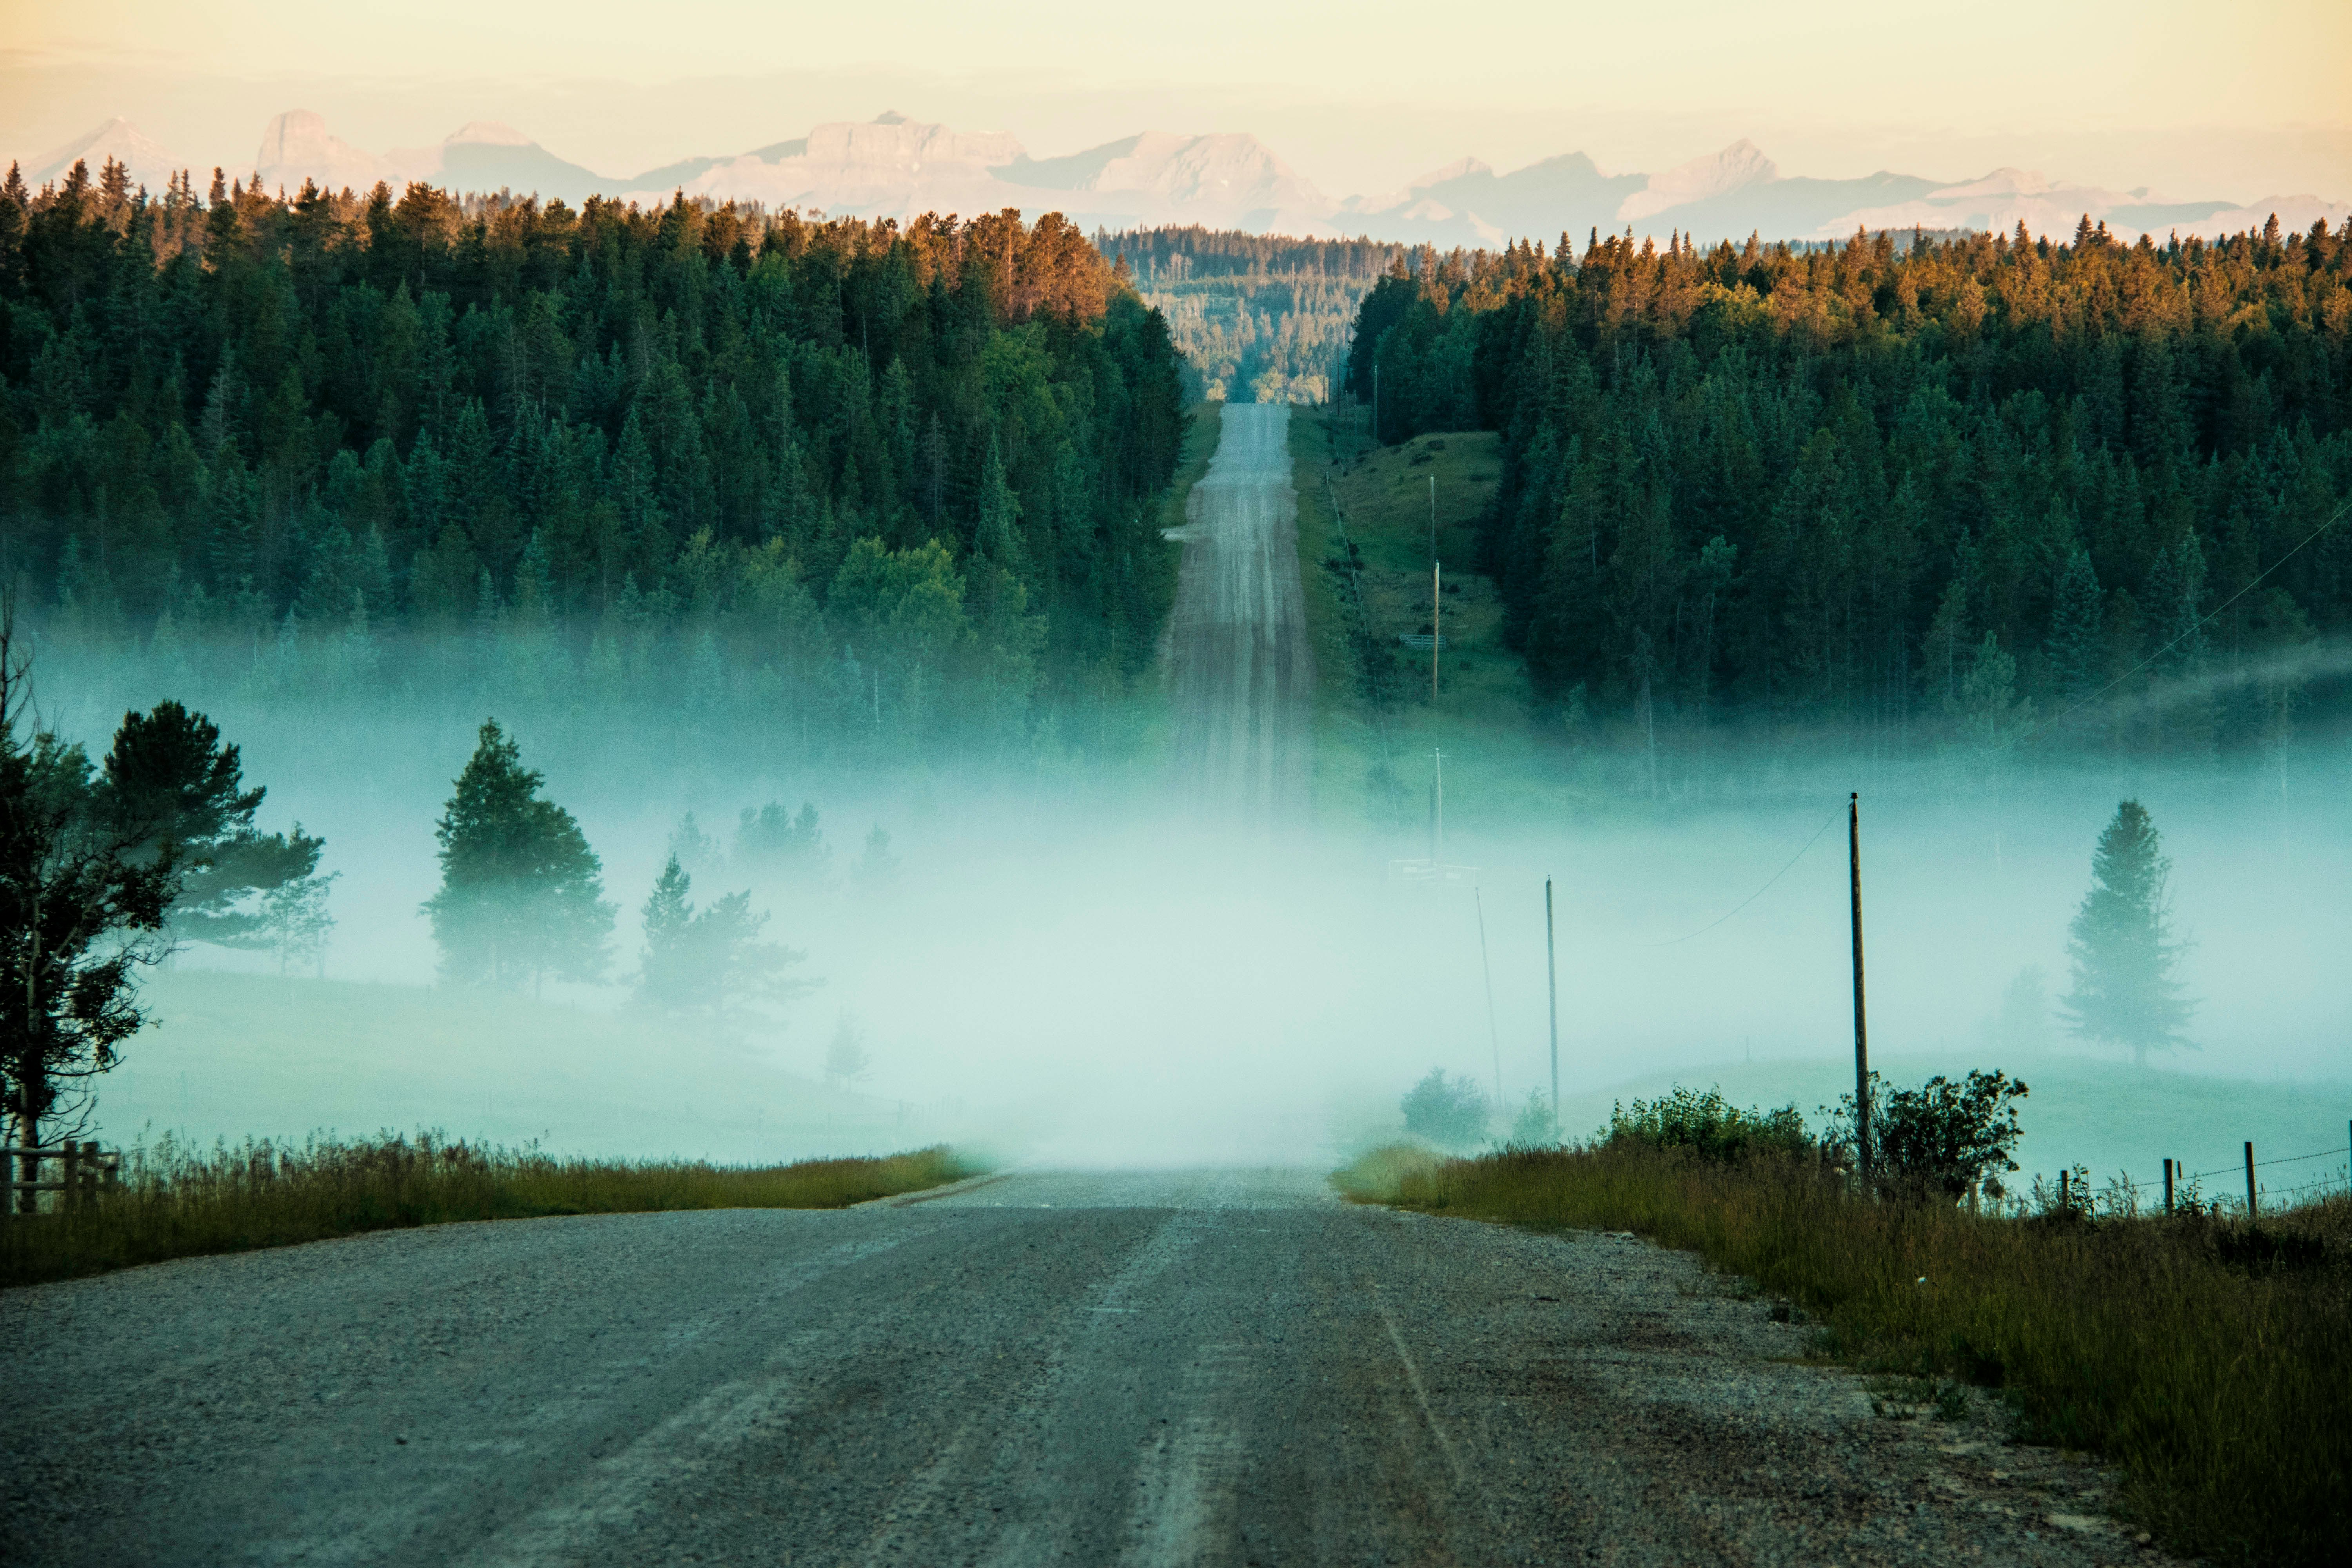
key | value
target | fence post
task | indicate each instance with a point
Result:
(2250, 1182)
(2167, 1186)
(72, 1196)
(2062, 1201)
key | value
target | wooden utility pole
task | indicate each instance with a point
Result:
(1437, 812)
(1551, 975)
(1861, 1026)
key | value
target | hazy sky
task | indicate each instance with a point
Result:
(2238, 101)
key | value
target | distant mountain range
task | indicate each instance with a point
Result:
(896, 167)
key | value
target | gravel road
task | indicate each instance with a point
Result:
(1237, 644)
(1039, 1368)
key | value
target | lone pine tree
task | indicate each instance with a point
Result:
(711, 961)
(170, 777)
(521, 893)
(2121, 945)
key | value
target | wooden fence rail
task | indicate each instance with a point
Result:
(86, 1169)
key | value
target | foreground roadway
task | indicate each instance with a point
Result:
(1218, 1368)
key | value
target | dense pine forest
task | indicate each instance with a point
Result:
(1986, 490)
(1260, 318)
(890, 487)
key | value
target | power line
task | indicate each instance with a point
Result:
(1759, 893)
(2332, 520)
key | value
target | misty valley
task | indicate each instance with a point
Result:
(1828, 756)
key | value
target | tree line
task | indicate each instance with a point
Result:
(1259, 318)
(874, 481)
(109, 866)
(1958, 488)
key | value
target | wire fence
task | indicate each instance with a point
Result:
(2317, 1182)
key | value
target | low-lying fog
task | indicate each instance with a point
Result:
(1081, 970)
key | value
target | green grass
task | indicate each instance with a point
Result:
(181, 1203)
(227, 1054)
(2222, 1388)
(1501, 758)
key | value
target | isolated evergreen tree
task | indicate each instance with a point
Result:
(846, 1061)
(2121, 945)
(710, 962)
(521, 893)
(168, 775)
(878, 868)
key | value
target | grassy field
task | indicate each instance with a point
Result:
(1498, 757)
(175, 1202)
(2210, 1362)
(230, 1054)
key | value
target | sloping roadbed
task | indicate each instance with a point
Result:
(1174, 1368)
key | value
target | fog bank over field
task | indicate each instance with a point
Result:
(1078, 965)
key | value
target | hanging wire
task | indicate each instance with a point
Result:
(2023, 736)
(1759, 892)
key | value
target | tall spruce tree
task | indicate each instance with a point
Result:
(2121, 945)
(521, 894)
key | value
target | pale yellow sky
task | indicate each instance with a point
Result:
(2236, 101)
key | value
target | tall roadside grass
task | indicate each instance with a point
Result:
(175, 1202)
(2208, 1360)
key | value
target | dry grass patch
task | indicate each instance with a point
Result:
(181, 1203)
(2209, 1360)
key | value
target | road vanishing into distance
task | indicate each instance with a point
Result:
(1242, 668)
(1173, 1368)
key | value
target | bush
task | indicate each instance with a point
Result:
(1939, 1140)
(1450, 1114)
(1705, 1122)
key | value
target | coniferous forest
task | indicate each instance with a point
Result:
(892, 487)
(1260, 318)
(1989, 490)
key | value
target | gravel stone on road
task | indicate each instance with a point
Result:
(1237, 647)
(1136, 1368)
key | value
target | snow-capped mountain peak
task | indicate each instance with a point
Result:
(488, 133)
(1461, 168)
(1737, 167)
(149, 164)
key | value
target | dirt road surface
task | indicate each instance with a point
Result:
(1238, 651)
(1224, 1368)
